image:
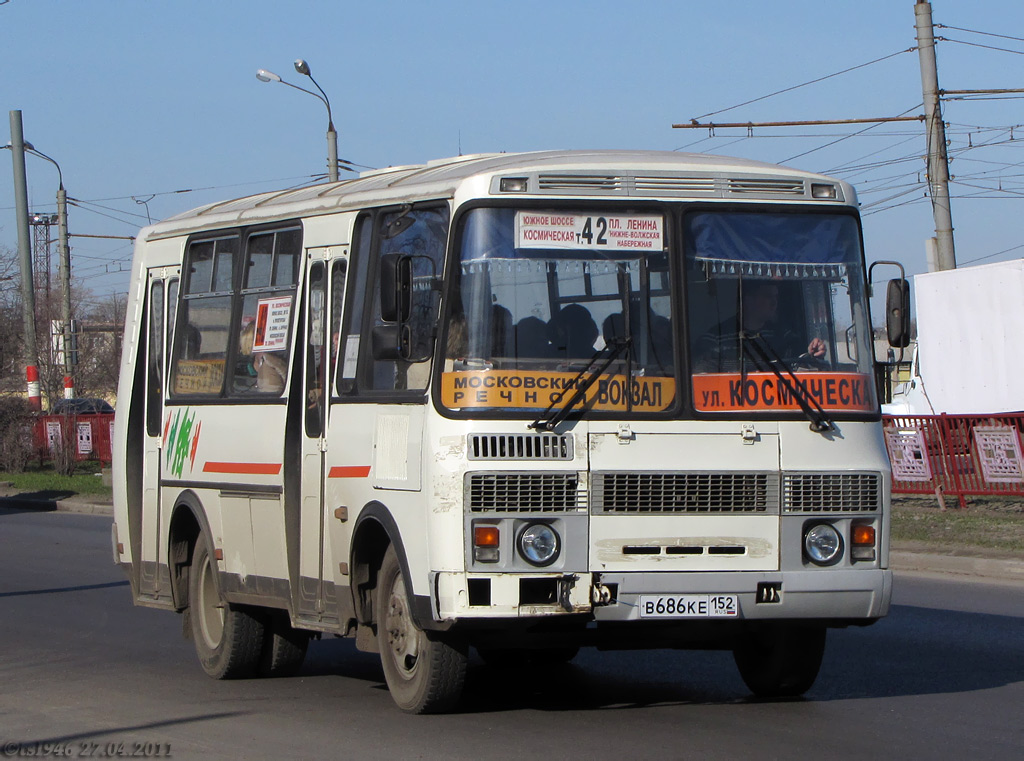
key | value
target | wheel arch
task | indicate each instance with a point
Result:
(188, 521)
(374, 531)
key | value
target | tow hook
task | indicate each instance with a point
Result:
(601, 595)
(565, 585)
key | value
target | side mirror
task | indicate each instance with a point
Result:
(395, 287)
(897, 313)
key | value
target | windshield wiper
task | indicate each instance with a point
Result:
(762, 353)
(551, 416)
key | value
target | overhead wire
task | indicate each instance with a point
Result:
(805, 84)
(979, 45)
(975, 31)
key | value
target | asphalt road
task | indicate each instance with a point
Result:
(84, 671)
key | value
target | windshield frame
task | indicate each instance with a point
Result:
(674, 213)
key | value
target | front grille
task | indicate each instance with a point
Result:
(522, 492)
(520, 446)
(685, 492)
(831, 492)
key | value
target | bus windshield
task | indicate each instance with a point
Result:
(777, 312)
(771, 312)
(540, 293)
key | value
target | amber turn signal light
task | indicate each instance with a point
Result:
(864, 536)
(485, 536)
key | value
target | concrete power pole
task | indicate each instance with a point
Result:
(28, 296)
(65, 283)
(938, 161)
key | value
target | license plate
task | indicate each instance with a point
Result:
(689, 606)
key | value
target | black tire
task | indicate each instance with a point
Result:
(228, 639)
(284, 647)
(780, 660)
(507, 658)
(424, 672)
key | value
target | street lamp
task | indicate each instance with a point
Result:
(332, 137)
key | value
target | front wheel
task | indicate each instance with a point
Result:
(228, 639)
(424, 673)
(780, 660)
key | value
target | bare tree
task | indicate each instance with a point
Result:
(11, 325)
(99, 346)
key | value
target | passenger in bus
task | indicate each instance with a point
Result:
(457, 346)
(719, 349)
(271, 369)
(656, 353)
(572, 332)
(613, 328)
(531, 339)
(662, 346)
(501, 331)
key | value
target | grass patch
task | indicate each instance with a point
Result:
(987, 524)
(45, 482)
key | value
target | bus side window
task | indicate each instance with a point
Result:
(204, 319)
(268, 304)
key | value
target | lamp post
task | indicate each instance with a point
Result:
(332, 137)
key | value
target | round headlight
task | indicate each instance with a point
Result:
(823, 544)
(538, 544)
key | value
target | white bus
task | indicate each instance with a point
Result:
(520, 403)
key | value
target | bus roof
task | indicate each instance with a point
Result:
(640, 174)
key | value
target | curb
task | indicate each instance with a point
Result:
(996, 569)
(89, 508)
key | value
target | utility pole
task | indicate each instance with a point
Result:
(938, 160)
(28, 297)
(65, 284)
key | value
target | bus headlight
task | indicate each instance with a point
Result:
(822, 544)
(539, 544)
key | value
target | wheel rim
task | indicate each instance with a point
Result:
(402, 635)
(211, 613)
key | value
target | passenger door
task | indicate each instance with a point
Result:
(317, 600)
(162, 293)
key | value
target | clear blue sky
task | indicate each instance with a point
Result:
(148, 98)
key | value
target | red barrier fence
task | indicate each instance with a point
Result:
(956, 455)
(88, 435)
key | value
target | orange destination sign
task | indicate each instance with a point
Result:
(537, 390)
(731, 392)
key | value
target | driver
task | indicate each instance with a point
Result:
(719, 350)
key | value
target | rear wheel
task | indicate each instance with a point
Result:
(228, 639)
(780, 660)
(424, 673)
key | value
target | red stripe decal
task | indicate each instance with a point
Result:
(244, 468)
(349, 471)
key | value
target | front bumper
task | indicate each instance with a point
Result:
(817, 594)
